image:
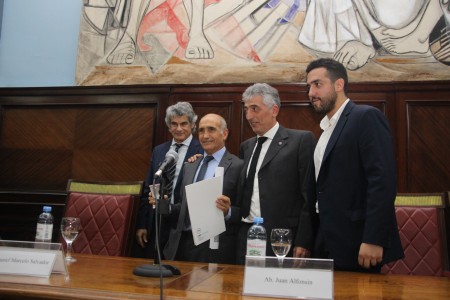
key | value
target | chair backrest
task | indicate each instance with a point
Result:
(107, 212)
(421, 224)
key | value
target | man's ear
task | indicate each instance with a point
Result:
(225, 134)
(275, 110)
(339, 85)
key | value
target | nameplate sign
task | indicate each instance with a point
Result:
(15, 260)
(294, 278)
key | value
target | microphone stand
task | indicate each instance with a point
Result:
(156, 269)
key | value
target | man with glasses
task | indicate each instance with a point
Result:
(180, 120)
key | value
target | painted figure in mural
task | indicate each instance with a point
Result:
(161, 29)
(163, 13)
(349, 29)
(144, 18)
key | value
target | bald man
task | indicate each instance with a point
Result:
(212, 133)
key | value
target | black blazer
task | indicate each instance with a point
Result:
(356, 187)
(285, 177)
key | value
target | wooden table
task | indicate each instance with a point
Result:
(105, 277)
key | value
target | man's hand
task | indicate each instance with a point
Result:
(151, 199)
(194, 157)
(223, 203)
(141, 237)
(370, 255)
(301, 252)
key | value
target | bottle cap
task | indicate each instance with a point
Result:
(258, 220)
(47, 209)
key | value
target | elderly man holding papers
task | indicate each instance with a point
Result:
(213, 133)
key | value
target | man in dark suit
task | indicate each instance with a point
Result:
(355, 173)
(283, 174)
(180, 120)
(213, 133)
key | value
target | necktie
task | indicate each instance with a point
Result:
(248, 189)
(171, 175)
(200, 177)
(203, 168)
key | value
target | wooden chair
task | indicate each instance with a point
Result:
(107, 211)
(421, 224)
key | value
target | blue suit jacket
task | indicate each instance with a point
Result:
(356, 187)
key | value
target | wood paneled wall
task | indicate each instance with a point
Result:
(49, 135)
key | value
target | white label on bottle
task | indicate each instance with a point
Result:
(256, 247)
(44, 232)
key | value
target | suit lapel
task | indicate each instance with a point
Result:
(192, 149)
(189, 174)
(191, 170)
(279, 141)
(337, 131)
(225, 162)
(247, 155)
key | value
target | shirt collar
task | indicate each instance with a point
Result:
(326, 123)
(271, 132)
(186, 142)
(218, 154)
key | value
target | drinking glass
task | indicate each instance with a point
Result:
(70, 227)
(281, 240)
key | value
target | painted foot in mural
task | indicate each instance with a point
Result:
(199, 48)
(123, 53)
(354, 54)
(411, 37)
(409, 44)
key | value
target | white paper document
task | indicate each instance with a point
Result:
(207, 220)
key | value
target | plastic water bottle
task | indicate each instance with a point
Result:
(44, 228)
(256, 238)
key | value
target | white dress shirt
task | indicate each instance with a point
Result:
(255, 207)
(327, 126)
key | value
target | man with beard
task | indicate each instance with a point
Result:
(355, 175)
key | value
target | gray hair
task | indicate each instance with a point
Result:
(180, 109)
(269, 94)
(223, 123)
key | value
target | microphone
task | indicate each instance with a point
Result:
(171, 157)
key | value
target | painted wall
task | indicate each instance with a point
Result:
(38, 42)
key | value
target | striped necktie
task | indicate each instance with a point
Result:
(168, 189)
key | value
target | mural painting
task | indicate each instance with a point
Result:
(243, 41)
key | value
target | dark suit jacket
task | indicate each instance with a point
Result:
(356, 187)
(285, 176)
(226, 253)
(146, 212)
